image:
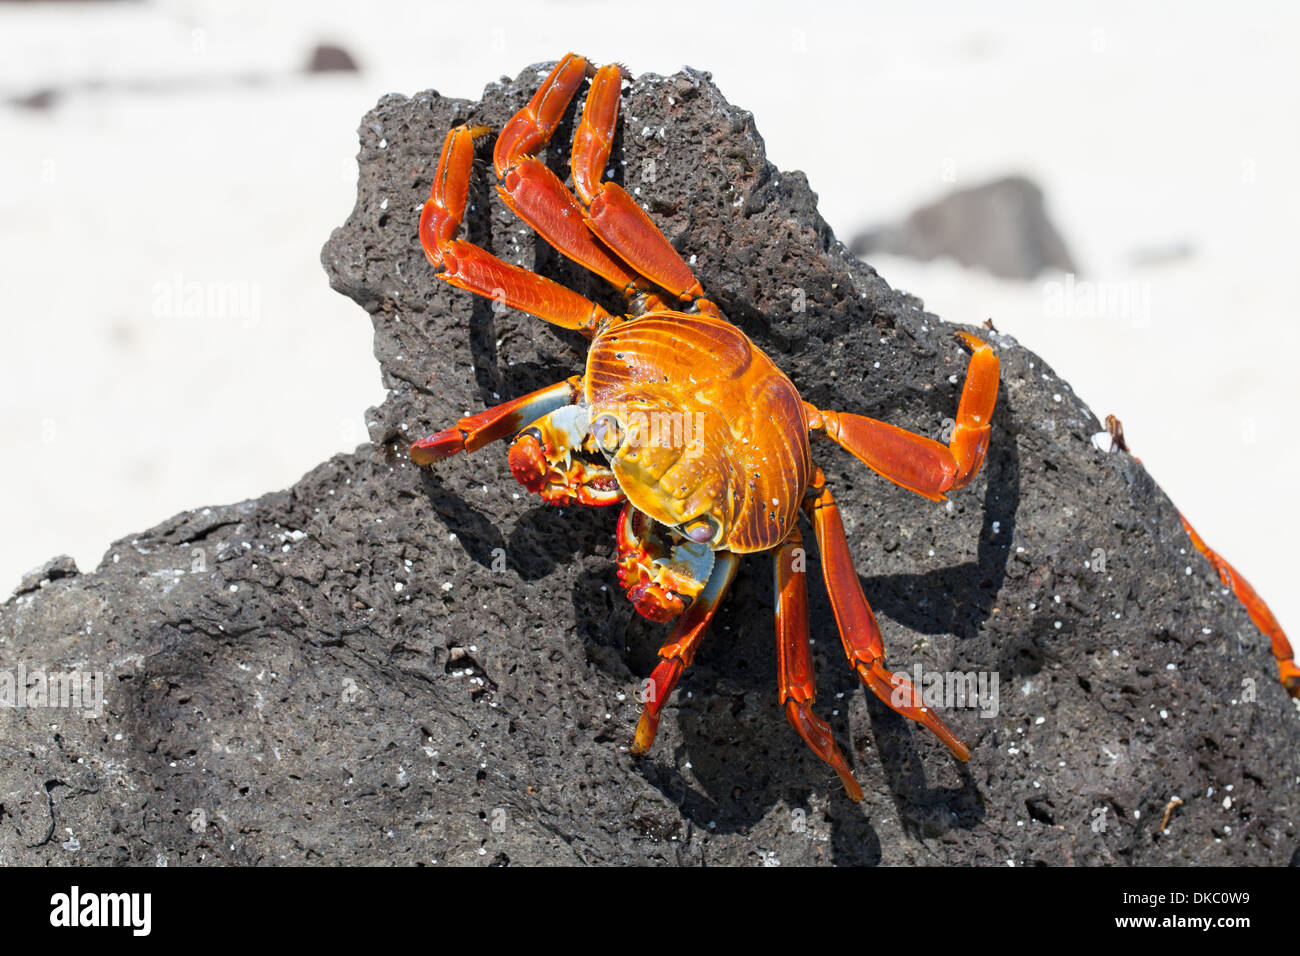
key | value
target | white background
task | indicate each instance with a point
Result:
(161, 165)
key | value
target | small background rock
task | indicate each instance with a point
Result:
(328, 58)
(1001, 227)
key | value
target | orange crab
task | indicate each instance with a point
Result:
(679, 416)
(688, 424)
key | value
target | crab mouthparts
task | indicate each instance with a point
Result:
(577, 476)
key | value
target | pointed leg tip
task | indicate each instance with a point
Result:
(898, 693)
(852, 790)
(646, 729)
(444, 444)
(817, 734)
(946, 736)
(1290, 675)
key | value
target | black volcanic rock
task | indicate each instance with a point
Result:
(386, 665)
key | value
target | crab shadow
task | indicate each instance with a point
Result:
(536, 543)
(957, 599)
(726, 755)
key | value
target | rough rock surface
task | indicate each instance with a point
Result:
(384, 665)
(1000, 226)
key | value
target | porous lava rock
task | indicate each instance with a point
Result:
(386, 665)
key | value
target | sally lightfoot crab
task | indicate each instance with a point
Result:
(678, 416)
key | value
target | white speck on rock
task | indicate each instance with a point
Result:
(1103, 441)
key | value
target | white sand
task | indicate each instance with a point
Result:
(1147, 127)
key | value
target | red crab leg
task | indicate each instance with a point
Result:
(1259, 611)
(537, 196)
(679, 650)
(445, 208)
(798, 689)
(858, 629)
(612, 214)
(503, 421)
(474, 269)
(529, 130)
(913, 461)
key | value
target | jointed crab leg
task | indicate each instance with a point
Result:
(798, 688)
(918, 463)
(641, 255)
(679, 650)
(470, 267)
(440, 218)
(979, 396)
(531, 128)
(503, 421)
(858, 629)
(1259, 612)
(538, 197)
(612, 214)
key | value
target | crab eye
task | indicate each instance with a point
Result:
(701, 530)
(608, 433)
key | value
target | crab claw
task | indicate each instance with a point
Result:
(437, 447)
(542, 460)
(528, 461)
(661, 580)
(653, 602)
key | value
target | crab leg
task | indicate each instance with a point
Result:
(611, 213)
(530, 129)
(679, 650)
(503, 421)
(473, 268)
(1259, 612)
(858, 629)
(798, 689)
(913, 461)
(537, 196)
